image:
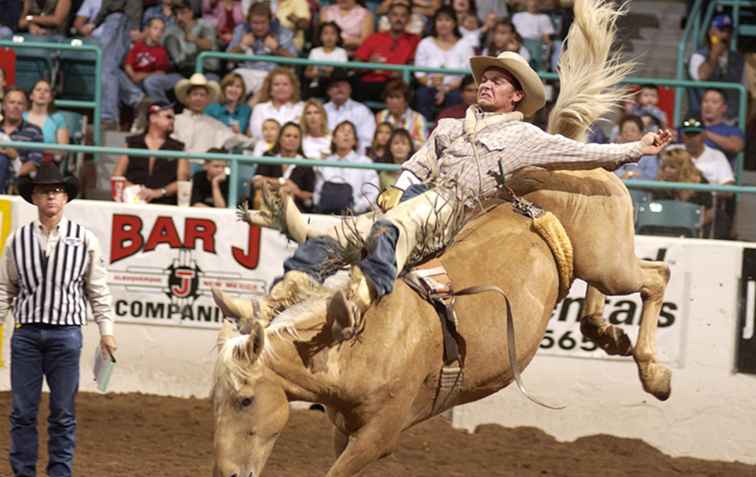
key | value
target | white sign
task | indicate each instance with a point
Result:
(162, 260)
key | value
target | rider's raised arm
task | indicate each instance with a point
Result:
(558, 152)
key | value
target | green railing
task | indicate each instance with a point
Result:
(62, 103)
(235, 159)
(407, 70)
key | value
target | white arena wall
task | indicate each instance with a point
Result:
(163, 259)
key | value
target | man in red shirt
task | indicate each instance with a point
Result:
(147, 65)
(394, 47)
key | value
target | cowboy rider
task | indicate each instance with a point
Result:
(456, 166)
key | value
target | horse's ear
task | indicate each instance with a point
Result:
(226, 332)
(255, 342)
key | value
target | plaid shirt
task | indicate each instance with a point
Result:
(505, 138)
(25, 132)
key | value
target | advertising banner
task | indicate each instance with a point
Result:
(162, 261)
(745, 361)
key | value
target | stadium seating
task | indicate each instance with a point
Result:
(669, 218)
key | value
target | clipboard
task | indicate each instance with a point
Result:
(103, 369)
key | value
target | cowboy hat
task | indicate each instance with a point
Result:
(47, 174)
(535, 95)
(197, 79)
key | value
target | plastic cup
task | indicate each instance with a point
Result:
(117, 184)
(184, 193)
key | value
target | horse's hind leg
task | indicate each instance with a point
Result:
(612, 339)
(650, 279)
(656, 379)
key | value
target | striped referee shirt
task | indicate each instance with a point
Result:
(49, 277)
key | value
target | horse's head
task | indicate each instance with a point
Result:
(250, 408)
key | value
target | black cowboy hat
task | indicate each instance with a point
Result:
(47, 174)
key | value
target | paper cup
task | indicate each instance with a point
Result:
(117, 184)
(184, 193)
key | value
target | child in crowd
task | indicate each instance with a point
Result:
(647, 102)
(400, 148)
(534, 25)
(270, 130)
(377, 148)
(209, 186)
(630, 130)
(330, 50)
(503, 37)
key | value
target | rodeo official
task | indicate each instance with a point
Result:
(51, 269)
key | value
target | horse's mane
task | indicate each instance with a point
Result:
(589, 72)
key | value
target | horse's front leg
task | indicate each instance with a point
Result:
(372, 441)
(656, 379)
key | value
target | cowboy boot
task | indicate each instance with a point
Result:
(278, 211)
(347, 307)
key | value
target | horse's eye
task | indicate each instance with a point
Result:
(246, 402)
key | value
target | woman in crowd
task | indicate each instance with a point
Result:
(398, 113)
(317, 137)
(42, 114)
(339, 190)
(298, 181)
(232, 110)
(355, 20)
(279, 99)
(677, 166)
(329, 50)
(400, 148)
(381, 138)
(444, 48)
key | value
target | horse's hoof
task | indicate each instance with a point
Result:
(656, 380)
(612, 339)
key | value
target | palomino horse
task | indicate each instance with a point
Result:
(387, 379)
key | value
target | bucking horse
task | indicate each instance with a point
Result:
(390, 375)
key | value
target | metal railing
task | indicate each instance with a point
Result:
(235, 159)
(407, 71)
(95, 104)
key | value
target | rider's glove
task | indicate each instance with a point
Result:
(389, 198)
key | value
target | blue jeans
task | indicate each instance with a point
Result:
(114, 41)
(52, 352)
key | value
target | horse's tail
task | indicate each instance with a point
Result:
(589, 72)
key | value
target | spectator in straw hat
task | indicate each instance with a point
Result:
(197, 130)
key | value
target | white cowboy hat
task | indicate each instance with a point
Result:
(197, 79)
(535, 95)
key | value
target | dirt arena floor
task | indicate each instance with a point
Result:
(140, 436)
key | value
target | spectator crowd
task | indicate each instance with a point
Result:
(150, 88)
